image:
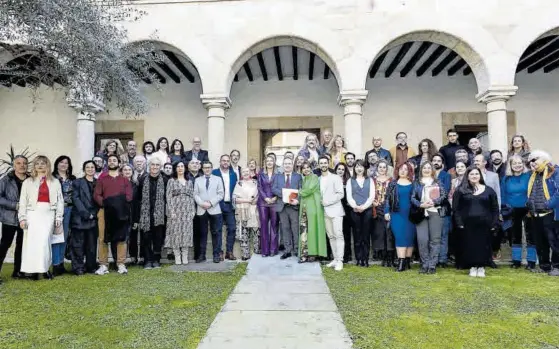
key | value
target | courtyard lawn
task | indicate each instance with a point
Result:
(508, 309)
(144, 309)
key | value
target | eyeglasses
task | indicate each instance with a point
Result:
(534, 160)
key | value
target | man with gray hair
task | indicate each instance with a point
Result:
(543, 207)
(10, 190)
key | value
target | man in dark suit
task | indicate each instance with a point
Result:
(288, 211)
(229, 178)
(196, 152)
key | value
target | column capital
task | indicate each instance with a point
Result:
(352, 97)
(215, 101)
(497, 94)
(86, 115)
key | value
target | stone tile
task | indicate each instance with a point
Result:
(273, 286)
(280, 301)
(274, 343)
(279, 324)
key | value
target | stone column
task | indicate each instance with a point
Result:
(85, 131)
(216, 106)
(353, 101)
(496, 100)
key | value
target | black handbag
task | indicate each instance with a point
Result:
(417, 214)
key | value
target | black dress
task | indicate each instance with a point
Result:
(478, 215)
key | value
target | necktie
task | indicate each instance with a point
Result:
(207, 183)
(288, 181)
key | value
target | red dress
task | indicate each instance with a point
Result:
(43, 191)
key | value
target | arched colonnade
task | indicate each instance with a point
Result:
(492, 63)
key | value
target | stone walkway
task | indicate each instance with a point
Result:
(279, 305)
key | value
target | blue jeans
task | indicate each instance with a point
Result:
(443, 254)
(229, 219)
(59, 249)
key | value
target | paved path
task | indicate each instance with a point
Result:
(279, 305)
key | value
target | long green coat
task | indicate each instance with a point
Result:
(312, 205)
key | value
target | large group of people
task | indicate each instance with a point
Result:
(452, 204)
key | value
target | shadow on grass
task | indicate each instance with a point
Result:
(144, 309)
(508, 309)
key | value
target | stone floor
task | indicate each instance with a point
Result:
(279, 304)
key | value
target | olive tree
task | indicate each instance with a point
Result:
(79, 45)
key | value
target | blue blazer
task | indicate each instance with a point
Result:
(279, 184)
(232, 184)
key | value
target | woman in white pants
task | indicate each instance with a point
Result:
(41, 209)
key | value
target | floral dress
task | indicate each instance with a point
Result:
(247, 217)
(181, 210)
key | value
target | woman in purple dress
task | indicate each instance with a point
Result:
(266, 211)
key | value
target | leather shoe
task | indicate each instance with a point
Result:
(221, 256)
(230, 256)
(18, 275)
(285, 255)
(201, 260)
(217, 259)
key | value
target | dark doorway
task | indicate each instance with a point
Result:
(467, 132)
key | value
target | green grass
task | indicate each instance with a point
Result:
(508, 309)
(144, 309)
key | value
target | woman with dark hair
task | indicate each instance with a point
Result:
(382, 237)
(181, 210)
(266, 209)
(519, 146)
(63, 172)
(312, 234)
(342, 171)
(177, 151)
(476, 211)
(397, 205)
(41, 208)
(428, 209)
(148, 149)
(162, 151)
(360, 192)
(426, 149)
(298, 166)
(84, 222)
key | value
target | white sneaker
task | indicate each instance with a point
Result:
(473, 272)
(184, 256)
(480, 272)
(339, 266)
(122, 269)
(102, 270)
(332, 264)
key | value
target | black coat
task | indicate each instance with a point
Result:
(84, 206)
(9, 198)
(202, 156)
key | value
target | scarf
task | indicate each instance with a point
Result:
(159, 210)
(541, 168)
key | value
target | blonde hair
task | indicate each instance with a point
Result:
(508, 171)
(34, 172)
(333, 149)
